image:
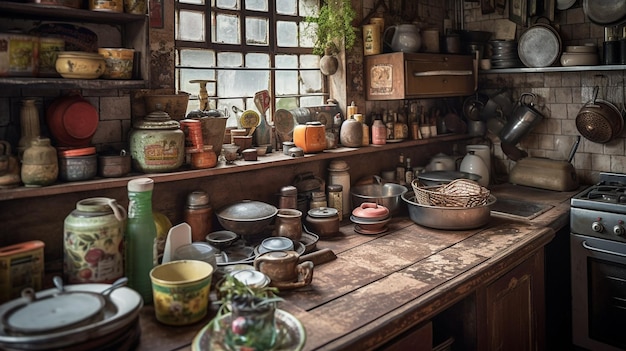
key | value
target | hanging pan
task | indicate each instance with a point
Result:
(599, 121)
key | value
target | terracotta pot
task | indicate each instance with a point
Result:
(72, 121)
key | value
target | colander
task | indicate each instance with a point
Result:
(599, 121)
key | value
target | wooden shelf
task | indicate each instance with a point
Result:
(554, 69)
(275, 159)
(30, 10)
(71, 83)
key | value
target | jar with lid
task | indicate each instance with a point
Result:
(157, 143)
(335, 198)
(198, 214)
(338, 174)
(318, 199)
(379, 132)
(323, 221)
(93, 235)
(288, 197)
(40, 165)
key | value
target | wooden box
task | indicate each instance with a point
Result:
(401, 75)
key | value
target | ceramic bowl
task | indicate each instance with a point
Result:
(119, 63)
(591, 48)
(221, 239)
(181, 291)
(579, 59)
(80, 65)
(247, 217)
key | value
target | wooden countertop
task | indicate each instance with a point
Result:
(380, 285)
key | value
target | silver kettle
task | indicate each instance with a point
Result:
(523, 119)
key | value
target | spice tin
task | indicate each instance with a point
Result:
(21, 266)
(93, 236)
(106, 5)
(49, 48)
(18, 55)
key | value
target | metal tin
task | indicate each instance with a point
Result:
(106, 5)
(49, 48)
(157, 143)
(18, 55)
(21, 266)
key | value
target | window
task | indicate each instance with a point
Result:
(244, 46)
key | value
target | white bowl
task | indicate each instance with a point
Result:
(590, 48)
(579, 59)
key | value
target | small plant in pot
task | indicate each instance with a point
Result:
(251, 325)
(334, 30)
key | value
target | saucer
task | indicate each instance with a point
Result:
(360, 230)
(300, 249)
(290, 334)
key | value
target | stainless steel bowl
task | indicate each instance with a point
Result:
(387, 195)
(452, 218)
(246, 217)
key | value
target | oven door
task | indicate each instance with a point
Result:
(598, 293)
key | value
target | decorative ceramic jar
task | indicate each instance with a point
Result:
(39, 163)
(351, 133)
(310, 137)
(157, 143)
(93, 235)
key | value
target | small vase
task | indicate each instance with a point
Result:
(40, 165)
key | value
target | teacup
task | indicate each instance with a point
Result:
(284, 270)
(181, 291)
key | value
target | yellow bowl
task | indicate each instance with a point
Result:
(119, 63)
(180, 290)
(80, 65)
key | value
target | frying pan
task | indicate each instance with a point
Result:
(607, 13)
(599, 121)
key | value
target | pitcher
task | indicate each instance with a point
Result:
(406, 38)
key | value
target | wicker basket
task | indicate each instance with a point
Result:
(457, 193)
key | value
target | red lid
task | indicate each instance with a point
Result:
(83, 151)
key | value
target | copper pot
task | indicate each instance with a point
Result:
(599, 121)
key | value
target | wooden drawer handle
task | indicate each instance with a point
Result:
(442, 73)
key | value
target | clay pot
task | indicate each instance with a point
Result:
(351, 133)
(39, 164)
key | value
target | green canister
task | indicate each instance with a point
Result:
(93, 241)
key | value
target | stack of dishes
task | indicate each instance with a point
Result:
(504, 54)
(580, 55)
(370, 218)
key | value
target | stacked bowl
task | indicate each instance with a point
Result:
(370, 218)
(580, 55)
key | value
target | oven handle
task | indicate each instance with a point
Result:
(586, 246)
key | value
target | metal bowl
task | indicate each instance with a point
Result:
(387, 195)
(246, 217)
(451, 218)
(444, 177)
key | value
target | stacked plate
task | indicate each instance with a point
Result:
(370, 218)
(581, 55)
(504, 54)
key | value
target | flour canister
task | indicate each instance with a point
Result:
(157, 143)
(93, 241)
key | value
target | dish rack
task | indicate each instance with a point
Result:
(457, 193)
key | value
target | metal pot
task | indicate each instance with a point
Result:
(524, 118)
(246, 217)
(599, 121)
(387, 195)
(449, 218)
(607, 13)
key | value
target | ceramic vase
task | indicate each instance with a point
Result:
(40, 166)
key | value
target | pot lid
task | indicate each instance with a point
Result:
(539, 46)
(371, 210)
(54, 312)
(158, 119)
(606, 13)
(323, 212)
(248, 210)
(251, 278)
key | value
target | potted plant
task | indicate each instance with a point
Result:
(251, 324)
(334, 30)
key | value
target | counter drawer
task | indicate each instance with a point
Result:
(400, 75)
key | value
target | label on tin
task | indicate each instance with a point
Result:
(107, 5)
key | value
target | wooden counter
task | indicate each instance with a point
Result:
(383, 285)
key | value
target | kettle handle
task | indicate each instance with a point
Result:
(522, 99)
(385, 34)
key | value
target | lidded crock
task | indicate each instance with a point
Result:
(157, 143)
(323, 221)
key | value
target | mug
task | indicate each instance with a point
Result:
(284, 270)
(288, 224)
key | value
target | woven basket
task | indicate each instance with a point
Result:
(457, 193)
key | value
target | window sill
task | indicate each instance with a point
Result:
(275, 159)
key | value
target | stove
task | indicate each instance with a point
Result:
(600, 210)
(598, 264)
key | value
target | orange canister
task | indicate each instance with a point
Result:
(310, 137)
(21, 266)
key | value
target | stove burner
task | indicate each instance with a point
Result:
(610, 194)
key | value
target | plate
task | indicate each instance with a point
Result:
(360, 230)
(249, 119)
(291, 335)
(125, 307)
(564, 4)
(394, 140)
(539, 46)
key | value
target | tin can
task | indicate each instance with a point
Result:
(93, 237)
(106, 5)
(18, 55)
(49, 48)
(21, 266)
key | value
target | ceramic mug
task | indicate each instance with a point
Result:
(284, 270)
(288, 224)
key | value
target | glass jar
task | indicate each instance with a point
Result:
(335, 198)
(338, 174)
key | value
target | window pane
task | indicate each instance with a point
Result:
(193, 2)
(227, 4)
(229, 59)
(306, 39)
(308, 7)
(256, 5)
(227, 29)
(257, 31)
(197, 58)
(309, 61)
(286, 103)
(190, 26)
(311, 100)
(256, 60)
(286, 61)
(286, 7)
(311, 82)
(286, 34)
(286, 82)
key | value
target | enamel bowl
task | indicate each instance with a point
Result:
(80, 65)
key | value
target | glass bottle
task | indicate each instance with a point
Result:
(141, 233)
(335, 198)
(338, 173)
(400, 169)
(408, 173)
(379, 132)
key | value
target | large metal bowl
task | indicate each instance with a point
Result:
(451, 218)
(387, 195)
(246, 217)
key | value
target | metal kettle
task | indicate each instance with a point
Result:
(523, 119)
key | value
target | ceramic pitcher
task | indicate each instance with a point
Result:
(406, 38)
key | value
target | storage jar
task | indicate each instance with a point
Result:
(310, 137)
(157, 143)
(338, 174)
(39, 164)
(323, 221)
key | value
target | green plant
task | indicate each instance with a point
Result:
(334, 27)
(231, 288)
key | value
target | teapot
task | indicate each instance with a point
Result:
(284, 270)
(406, 38)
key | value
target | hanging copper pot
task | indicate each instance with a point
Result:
(599, 121)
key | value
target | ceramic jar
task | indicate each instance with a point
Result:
(323, 221)
(338, 173)
(310, 137)
(472, 163)
(351, 133)
(406, 38)
(157, 143)
(40, 165)
(289, 224)
(93, 236)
